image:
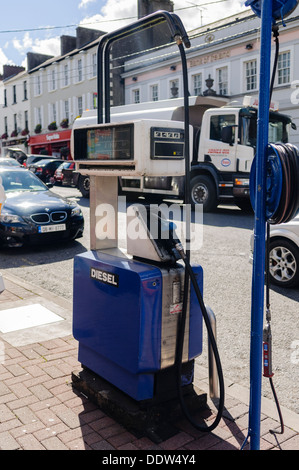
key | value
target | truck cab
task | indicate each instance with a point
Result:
(225, 151)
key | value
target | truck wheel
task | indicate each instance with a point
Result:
(84, 185)
(203, 192)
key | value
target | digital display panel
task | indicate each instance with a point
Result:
(110, 143)
(167, 143)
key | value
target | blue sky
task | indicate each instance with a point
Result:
(19, 19)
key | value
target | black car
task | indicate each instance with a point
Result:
(36, 158)
(45, 169)
(32, 214)
(65, 173)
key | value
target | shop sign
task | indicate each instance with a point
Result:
(207, 59)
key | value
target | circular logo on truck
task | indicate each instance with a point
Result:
(225, 162)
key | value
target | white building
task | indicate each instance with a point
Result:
(228, 52)
(15, 109)
(61, 88)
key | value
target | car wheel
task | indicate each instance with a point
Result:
(203, 192)
(84, 185)
(284, 263)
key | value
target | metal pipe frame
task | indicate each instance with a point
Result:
(257, 304)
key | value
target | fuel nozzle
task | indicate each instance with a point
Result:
(176, 243)
(267, 351)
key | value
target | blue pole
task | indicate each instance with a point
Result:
(257, 304)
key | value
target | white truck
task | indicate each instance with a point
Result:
(223, 148)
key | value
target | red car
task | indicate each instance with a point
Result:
(64, 173)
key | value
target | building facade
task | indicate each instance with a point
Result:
(45, 100)
(224, 59)
(41, 104)
(60, 89)
(15, 107)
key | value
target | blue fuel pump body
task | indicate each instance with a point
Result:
(117, 320)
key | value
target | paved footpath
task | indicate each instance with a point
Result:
(40, 410)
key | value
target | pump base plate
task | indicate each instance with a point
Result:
(147, 418)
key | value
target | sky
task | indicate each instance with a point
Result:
(29, 27)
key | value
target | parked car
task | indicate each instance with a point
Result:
(32, 214)
(64, 173)
(9, 162)
(36, 158)
(16, 153)
(45, 169)
(284, 253)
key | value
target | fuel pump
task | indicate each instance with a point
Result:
(138, 314)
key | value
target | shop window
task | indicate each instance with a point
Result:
(197, 84)
(94, 65)
(25, 90)
(136, 96)
(14, 94)
(80, 71)
(66, 75)
(284, 68)
(222, 80)
(251, 75)
(80, 105)
(154, 92)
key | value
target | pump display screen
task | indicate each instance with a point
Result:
(104, 143)
(167, 144)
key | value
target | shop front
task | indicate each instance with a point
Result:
(55, 143)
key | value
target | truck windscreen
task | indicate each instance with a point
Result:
(278, 129)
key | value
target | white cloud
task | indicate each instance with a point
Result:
(109, 18)
(115, 14)
(4, 60)
(84, 3)
(192, 17)
(49, 46)
(195, 17)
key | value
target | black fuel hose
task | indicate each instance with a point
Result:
(189, 275)
(289, 200)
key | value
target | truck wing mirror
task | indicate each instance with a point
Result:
(227, 134)
(293, 126)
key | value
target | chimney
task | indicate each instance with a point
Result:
(67, 44)
(34, 59)
(86, 35)
(146, 7)
(11, 70)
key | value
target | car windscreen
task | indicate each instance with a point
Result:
(9, 162)
(44, 162)
(22, 180)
